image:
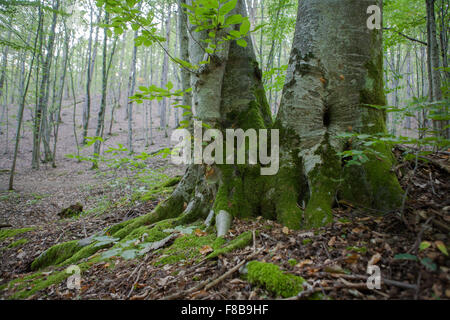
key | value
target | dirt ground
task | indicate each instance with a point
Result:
(333, 260)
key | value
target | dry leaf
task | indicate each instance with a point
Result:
(285, 230)
(353, 258)
(206, 249)
(303, 263)
(441, 246)
(332, 241)
(374, 260)
(200, 233)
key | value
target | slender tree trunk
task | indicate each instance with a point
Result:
(105, 72)
(62, 81)
(41, 108)
(164, 74)
(131, 86)
(434, 74)
(24, 91)
(2, 80)
(92, 54)
(184, 55)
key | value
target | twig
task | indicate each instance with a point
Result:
(135, 282)
(363, 277)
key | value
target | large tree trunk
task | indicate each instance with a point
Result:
(332, 79)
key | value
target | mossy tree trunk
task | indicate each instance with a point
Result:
(335, 69)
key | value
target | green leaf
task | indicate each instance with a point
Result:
(227, 7)
(428, 263)
(234, 19)
(241, 43)
(405, 256)
(424, 245)
(245, 27)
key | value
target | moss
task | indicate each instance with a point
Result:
(239, 242)
(172, 182)
(72, 211)
(56, 254)
(9, 233)
(273, 279)
(323, 184)
(18, 243)
(292, 262)
(28, 286)
(188, 247)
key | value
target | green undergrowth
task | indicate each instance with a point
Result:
(10, 233)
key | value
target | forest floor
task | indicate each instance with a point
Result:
(409, 249)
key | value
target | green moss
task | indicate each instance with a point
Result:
(18, 243)
(292, 262)
(172, 182)
(239, 242)
(188, 247)
(56, 254)
(29, 285)
(9, 233)
(273, 279)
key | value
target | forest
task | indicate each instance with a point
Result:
(224, 150)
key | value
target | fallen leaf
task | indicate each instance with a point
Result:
(374, 260)
(332, 241)
(162, 282)
(301, 264)
(285, 230)
(424, 245)
(441, 246)
(352, 258)
(200, 233)
(206, 249)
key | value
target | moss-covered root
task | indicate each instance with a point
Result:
(239, 242)
(273, 279)
(56, 254)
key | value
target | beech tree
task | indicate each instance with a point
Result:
(333, 86)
